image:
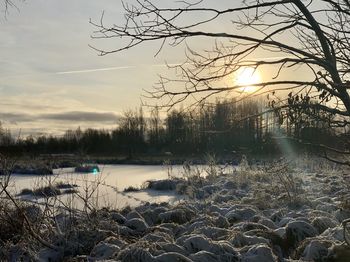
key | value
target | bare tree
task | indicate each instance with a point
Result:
(310, 34)
(306, 36)
(7, 4)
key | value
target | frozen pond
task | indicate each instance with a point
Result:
(111, 181)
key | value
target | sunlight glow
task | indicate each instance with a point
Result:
(246, 77)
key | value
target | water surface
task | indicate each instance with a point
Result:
(106, 188)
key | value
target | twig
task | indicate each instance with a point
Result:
(344, 223)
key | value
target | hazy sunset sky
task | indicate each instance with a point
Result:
(51, 80)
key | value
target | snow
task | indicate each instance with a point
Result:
(231, 218)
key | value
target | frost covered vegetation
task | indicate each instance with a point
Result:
(276, 211)
(50, 190)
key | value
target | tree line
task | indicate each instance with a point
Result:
(222, 127)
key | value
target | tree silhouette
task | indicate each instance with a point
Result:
(310, 36)
(7, 4)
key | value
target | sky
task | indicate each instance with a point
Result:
(51, 80)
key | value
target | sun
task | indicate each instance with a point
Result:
(247, 77)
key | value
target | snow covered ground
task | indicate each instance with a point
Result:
(275, 212)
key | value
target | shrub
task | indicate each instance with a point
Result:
(47, 191)
(166, 184)
(70, 191)
(131, 189)
(286, 182)
(12, 225)
(212, 168)
(26, 191)
(168, 167)
(62, 185)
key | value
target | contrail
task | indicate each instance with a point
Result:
(111, 68)
(93, 70)
(82, 71)
(125, 67)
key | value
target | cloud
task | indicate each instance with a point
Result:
(76, 116)
(72, 116)
(15, 117)
(28, 105)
